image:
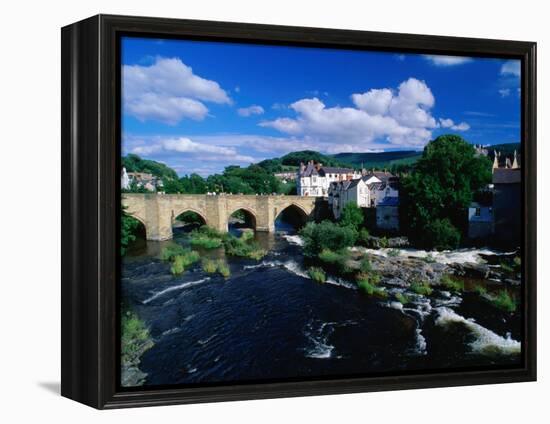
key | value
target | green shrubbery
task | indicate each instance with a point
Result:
(326, 235)
(181, 262)
(421, 287)
(135, 337)
(402, 298)
(243, 246)
(206, 237)
(368, 283)
(503, 300)
(211, 267)
(168, 253)
(317, 274)
(451, 283)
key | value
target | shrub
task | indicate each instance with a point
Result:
(168, 253)
(330, 257)
(352, 216)
(369, 286)
(317, 274)
(223, 269)
(181, 262)
(205, 242)
(365, 265)
(422, 288)
(247, 235)
(505, 301)
(209, 266)
(134, 337)
(383, 242)
(326, 235)
(481, 290)
(402, 298)
(392, 253)
(363, 238)
(241, 247)
(451, 283)
(442, 235)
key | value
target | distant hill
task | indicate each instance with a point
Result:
(505, 150)
(379, 160)
(133, 163)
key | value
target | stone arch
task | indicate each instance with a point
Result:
(143, 221)
(188, 209)
(251, 212)
(300, 217)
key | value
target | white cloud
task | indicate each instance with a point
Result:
(440, 60)
(504, 92)
(511, 67)
(250, 110)
(449, 123)
(380, 116)
(168, 91)
(185, 148)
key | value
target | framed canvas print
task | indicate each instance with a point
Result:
(255, 211)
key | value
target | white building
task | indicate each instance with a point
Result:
(124, 179)
(315, 179)
(366, 192)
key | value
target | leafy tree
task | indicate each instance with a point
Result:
(133, 163)
(352, 215)
(128, 230)
(326, 235)
(441, 186)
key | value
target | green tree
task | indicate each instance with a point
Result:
(326, 235)
(352, 215)
(435, 195)
(128, 230)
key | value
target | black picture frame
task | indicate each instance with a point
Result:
(90, 137)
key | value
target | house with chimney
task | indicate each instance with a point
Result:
(314, 179)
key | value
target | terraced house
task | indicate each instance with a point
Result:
(314, 179)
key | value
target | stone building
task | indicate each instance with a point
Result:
(387, 214)
(507, 204)
(480, 220)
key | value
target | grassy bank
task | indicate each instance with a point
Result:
(135, 340)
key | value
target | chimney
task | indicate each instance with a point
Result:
(508, 163)
(302, 167)
(495, 161)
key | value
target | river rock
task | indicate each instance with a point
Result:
(472, 270)
(392, 242)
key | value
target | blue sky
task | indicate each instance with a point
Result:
(200, 106)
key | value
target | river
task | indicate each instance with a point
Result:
(269, 321)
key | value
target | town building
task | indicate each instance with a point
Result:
(285, 177)
(387, 214)
(314, 179)
(140, 180)
(480, 220)
(507, 205)
(366, 192)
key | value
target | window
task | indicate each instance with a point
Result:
(478, 212)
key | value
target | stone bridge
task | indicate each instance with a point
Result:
(157, 212)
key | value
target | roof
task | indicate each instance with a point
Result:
(309, 171)
(389, 201)
(333, 170)
(506, 176)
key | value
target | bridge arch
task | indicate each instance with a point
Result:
(292, 213)
(141, 220)
(180, 211)
(251, 218)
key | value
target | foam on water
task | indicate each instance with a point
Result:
(486, 342)
(294, 239)
(173, 288)
(445, 257)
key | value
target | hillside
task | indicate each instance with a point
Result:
(379, 160)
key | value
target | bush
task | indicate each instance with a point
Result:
(242, 248)
(481, 290)
(504, 300)
(365, 265)
(402, 298)
(209, 266)
(181, 262)
(422, 288)
(168, 253)
(363, 238)
(442, 235)
(134, 337)
(223, 269)
(205, 242)
(317, 274)
(326, 235)
(352, 216)
(383, 242)
(368, 284)
(451, 283)
(392, 253)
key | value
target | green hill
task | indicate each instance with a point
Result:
(379, 160)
